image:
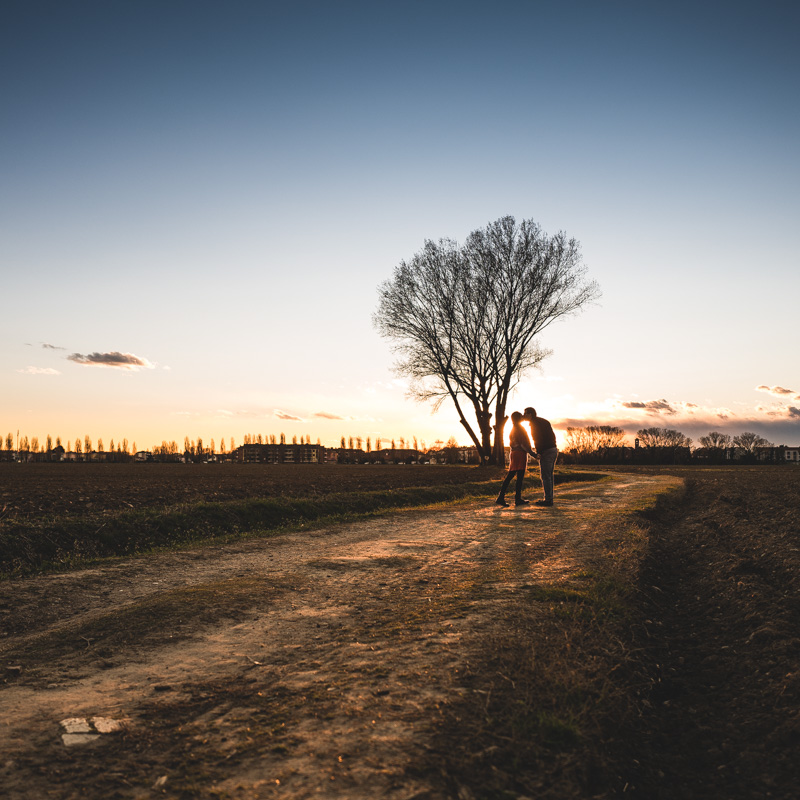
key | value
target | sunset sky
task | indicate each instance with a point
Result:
(198, 201)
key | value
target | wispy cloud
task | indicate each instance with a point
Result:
(284, 415)
(47, 346)
(779, 412)
(112, 359)
(326, 415)
(39, 371)
(778, 391)
(240, 413)
(651, 406)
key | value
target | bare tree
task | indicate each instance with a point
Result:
(464, 319)
(750, 442)
(577, 441)
(593, 438)
(606, 436)
(662, 437)
(715, 440)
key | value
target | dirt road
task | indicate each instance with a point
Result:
(305, 665)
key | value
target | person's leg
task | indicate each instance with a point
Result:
(501, 498)
(518, 493)
(547, 463)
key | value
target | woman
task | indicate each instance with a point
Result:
(520, 449)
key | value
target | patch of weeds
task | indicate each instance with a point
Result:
(555, 594)
(553, 732)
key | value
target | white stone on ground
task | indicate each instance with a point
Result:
(76, 725)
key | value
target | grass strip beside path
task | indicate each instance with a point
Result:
(29, 546)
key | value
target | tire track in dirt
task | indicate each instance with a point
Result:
(324, 687)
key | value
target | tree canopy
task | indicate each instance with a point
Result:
(464, 319)
(716, 440)
(662, 437)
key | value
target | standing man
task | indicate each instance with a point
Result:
(544, 440)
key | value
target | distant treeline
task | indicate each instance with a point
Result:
(198, 448)
(605, 444)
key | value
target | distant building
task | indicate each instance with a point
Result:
(468, 455)
(56, 453)
(791, 454)
(395, 455)
(279, 454)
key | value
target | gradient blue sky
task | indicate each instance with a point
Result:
(218, 189)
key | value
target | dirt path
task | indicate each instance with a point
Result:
(304, 665)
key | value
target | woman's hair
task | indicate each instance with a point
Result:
(516, 417)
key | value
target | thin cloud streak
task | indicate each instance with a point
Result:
(39, 371)
(112, 359)
(284, 415)
(651, 406)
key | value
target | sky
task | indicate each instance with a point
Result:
(199, 200)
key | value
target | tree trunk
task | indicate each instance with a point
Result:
(485, 425)
(499, 450)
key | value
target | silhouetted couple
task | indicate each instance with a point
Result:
(546, 453)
